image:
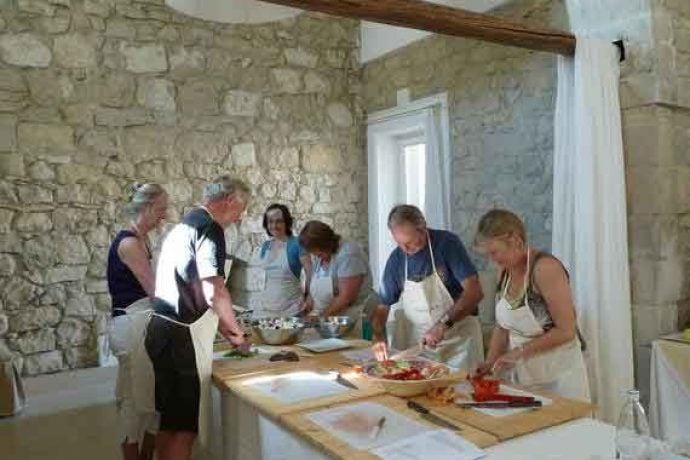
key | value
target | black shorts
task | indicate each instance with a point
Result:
(171, 351)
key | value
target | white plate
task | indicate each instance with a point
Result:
(324, 345)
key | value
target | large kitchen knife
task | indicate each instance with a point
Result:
(499, 404)
(435, 419)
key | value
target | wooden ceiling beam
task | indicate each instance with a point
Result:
(441, 19)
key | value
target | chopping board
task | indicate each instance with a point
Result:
(273, 408)
(226, 369)
(300, 424)
(559, 411)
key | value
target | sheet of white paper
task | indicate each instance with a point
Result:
(323, 345)
(297, 386)
(430, 445)
(465, 387)
(396, 427)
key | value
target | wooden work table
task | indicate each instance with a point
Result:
(482, 430)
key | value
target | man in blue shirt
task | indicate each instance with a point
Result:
(432, 279)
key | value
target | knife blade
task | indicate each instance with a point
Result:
(345, 382)
(500, 405)
(433, 418)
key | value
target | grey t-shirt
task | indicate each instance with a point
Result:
(193, 250)
(349, 260)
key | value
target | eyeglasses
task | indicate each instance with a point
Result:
(275, 221)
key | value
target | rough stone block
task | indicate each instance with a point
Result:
(34, 341)
(11, 164)
(241, 103)
(80, 305)
(39, 252)
(145, 58)
(34, 222)
(33, 194)
(202, 147)
(340, 115)
(315, 83)
(187, 62)
(99, 8)
(157, 94)
(7, 265)
(24, 50)
(97, 287)
(121, 117)
(43, 363)
(63, 273)
(301, 57)
(71, 249)
(75, 50)
(36, 7)
(6, 217)
(652, 321)
(320, 158)
(199, 98)
(4, 326)
(244, 155)
(8, 136)
(75, 220)
(286, 80)
(39, 136)
(34, 318)
(81, 357)
(17, 292)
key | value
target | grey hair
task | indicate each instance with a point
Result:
(139, 196)
(406, 214)
(225, 186)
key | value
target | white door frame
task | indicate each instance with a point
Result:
(438, 102)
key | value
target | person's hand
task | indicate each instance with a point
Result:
(434, 335)
(240, 342)
(380, 349)
(507, 361)
(481, 369)
(307, 306)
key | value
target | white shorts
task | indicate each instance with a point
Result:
(122, 334)
(132, 424)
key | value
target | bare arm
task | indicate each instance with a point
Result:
(471, 295)
(133, 254)
(306, 264)
(348, 290)
(552, 282)
(218, 297)
(498, 345)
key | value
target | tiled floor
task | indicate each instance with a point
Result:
(68, 416)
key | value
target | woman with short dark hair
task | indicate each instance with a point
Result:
(341, 281)
(282, 260)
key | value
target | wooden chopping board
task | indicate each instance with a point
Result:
(302, 426)
(274, 408)
(226, 369)
(559, 411)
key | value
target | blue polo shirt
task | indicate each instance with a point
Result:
(452, 263)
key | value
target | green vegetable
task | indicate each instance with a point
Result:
(237, 354)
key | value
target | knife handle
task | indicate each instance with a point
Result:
(417, 407)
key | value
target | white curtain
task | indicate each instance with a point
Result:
(437, 190)
(590, 217)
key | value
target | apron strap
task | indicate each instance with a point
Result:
(431, 253)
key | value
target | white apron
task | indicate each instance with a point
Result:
(322, 291)
(561, 370)
(202, 332)
(424, 303)
(123, 335)
(282, 294)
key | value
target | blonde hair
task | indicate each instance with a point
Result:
(139, 196)
(225, 186)
(499, 223)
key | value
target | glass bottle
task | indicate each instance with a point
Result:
(632, 430)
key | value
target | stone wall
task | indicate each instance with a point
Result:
(501, 103)
(657, 136)
(95, 94)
